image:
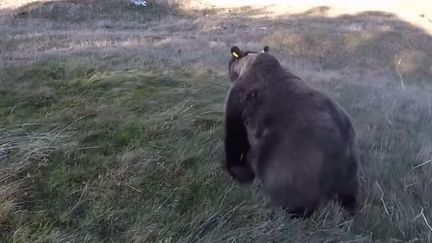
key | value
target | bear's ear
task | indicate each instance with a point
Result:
(266, 49)
(235, 52)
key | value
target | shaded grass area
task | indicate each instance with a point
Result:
(143, 140)
(141, 162)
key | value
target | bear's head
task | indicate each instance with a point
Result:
(240, 60)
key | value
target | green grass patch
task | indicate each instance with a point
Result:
(142, 162)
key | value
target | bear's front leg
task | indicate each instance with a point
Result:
(242, 172)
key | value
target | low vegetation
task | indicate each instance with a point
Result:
(112, 122)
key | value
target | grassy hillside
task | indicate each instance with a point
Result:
(111, 123)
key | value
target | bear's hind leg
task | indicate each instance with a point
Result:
(300, 212)
(348, 198)
(348, 202)
(296, 205)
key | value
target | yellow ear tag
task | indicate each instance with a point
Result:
(235, 55)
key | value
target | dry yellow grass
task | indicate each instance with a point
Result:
(14, 3)
(417, 12)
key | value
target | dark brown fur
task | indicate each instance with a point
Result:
(297, 140)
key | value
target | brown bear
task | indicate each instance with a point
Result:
(298, 141)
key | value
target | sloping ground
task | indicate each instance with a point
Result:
(417, 12)
(112, 120)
